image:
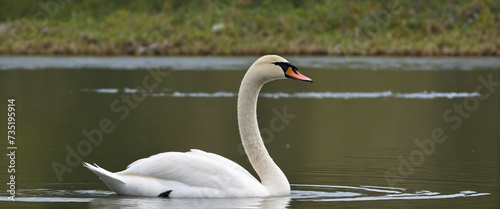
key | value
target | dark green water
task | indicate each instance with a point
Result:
(369, 132)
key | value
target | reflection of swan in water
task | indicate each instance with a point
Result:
(201, 174)
(141, 202)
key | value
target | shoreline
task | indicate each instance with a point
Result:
(236, 63)
(153, 51)
(325, 28)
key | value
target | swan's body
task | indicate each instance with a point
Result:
(201, 174)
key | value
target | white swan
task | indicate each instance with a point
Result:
(201, 174)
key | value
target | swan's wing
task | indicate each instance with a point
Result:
(220, 159)
(194, 168)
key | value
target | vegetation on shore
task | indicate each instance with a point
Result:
(250, 27)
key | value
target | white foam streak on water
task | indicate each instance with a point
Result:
(359, 95)
(302, 95)
(432, 95)
(198, 94)
(107, 91)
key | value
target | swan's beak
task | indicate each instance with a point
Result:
(294, 74)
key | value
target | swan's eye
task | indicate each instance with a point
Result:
(291, 71)
(285, 66)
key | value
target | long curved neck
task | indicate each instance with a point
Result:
(269, 173)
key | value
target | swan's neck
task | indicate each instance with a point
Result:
(269, 173)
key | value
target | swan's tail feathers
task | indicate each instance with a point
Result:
(106, 176)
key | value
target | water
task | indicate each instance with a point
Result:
(360, 136)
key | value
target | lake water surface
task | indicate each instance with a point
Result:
(369, 132)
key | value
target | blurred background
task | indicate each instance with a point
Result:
(250, 27)
(387, 75)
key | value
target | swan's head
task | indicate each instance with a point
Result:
(273, 67)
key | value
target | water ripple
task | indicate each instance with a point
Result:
(304, 192)
(300, 192)
(300, 95)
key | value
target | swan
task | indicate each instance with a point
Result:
(207, 175)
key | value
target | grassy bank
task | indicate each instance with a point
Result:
(245, 27)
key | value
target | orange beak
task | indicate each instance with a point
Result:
(294, 74)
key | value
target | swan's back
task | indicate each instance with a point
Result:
(187, 174)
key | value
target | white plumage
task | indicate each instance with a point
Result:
(191, 174)
(201, 174)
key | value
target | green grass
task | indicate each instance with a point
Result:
(175, 27)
